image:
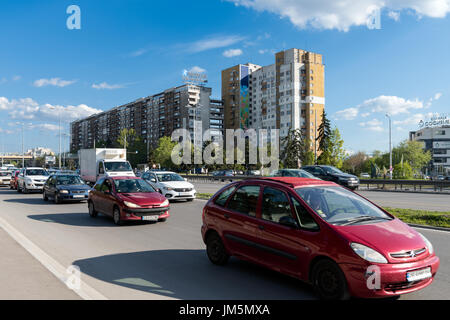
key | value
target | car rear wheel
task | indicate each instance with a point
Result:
(216, 250)
(329, 281)
(92, 211)
(116, 216)
(44, 196)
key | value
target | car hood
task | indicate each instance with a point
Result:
(37, 177)
(74, 187)
(385, 237)
(177, 184)
(144, 199)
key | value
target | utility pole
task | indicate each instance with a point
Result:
(23, 152)
(315, 136)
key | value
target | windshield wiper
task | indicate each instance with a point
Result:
(361, 219)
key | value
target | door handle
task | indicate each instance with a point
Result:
(261, 227)
(226, 216)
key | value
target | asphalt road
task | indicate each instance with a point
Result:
(405, 200)
(163, 260)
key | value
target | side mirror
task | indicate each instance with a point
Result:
(185, 179)
(153, 180)
(288, 221)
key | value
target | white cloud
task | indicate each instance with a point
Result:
(346, 114)
(214, 42)
(232, 53)
(263, 51)
(28, 109)
(394, 15)
(104, 85)
(57, 82)
(383, 104)
(343, 14)
(437, 96)
(196, 69)
(373, 125)
(138, 53)
(16, 78)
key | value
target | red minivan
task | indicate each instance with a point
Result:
(127, 199)
(318, 232)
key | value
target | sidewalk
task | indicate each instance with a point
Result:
(22, 277)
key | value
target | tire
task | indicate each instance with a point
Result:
(25, 190)
(116, 217)
(216, 250)
(329, 282)
(18, 189)
(162, 220)
(44, 196)
(189, 200)
(92, 212)
(57, 199)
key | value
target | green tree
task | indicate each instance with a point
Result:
(324, 139)
(403, 171)
(162, 155)
(296, 150)
(126, 138)
(336, 146)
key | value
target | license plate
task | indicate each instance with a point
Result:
(418, 275)
(150, 218)
(185, 194)
(78, 196)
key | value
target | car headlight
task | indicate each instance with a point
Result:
(168, 188)
(28, 181)
(165, 203)
(64, 191)
(428, 243)
(367, 253)
(131, 205)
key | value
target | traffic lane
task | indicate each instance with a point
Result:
(142, 260)
(440, 288)
(415, 201)
(163, 260)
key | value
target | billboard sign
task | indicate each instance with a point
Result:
(435, 121)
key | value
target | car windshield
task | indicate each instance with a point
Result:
(133, 186)
(36, 172)
(165, 177)
(332, 170)
(69, 180)
(5, 174)
(339, 206)
(118, 166)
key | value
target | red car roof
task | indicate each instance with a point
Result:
(300, 182)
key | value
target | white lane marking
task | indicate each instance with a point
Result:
(85, 291)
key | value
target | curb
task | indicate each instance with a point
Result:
(429, 227)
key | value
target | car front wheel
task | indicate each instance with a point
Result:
(116, 216)
(329, 281)
(216, 250)
(44, 196)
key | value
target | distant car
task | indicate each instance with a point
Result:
(320, 233)
(365, 175)
(298, 173)
(171, 185)
(253, 173)
(440, 177)
(127, 199)
(5, 178)
(13, 181)
(65, 187)
(32, 179)
(333, 174)
(447, 178)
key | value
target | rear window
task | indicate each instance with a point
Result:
(221, 200)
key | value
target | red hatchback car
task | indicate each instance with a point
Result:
(127, 199)
(318, 232)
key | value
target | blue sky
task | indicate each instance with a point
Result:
(130, 49)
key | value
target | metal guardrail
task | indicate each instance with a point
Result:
(370, 184)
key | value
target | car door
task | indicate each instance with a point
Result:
(282, 246)
(239, 223)
(107, 197)
(95, 194)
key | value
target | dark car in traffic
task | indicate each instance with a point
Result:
(321, 233)
(330, 173)
(65, 187)
(127, 199)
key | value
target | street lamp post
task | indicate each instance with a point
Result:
(59, 134)
(390, 145)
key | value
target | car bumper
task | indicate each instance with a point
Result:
(73, 197)
(392, 278)
(138, 214)
(174, 195)
(33, 187)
